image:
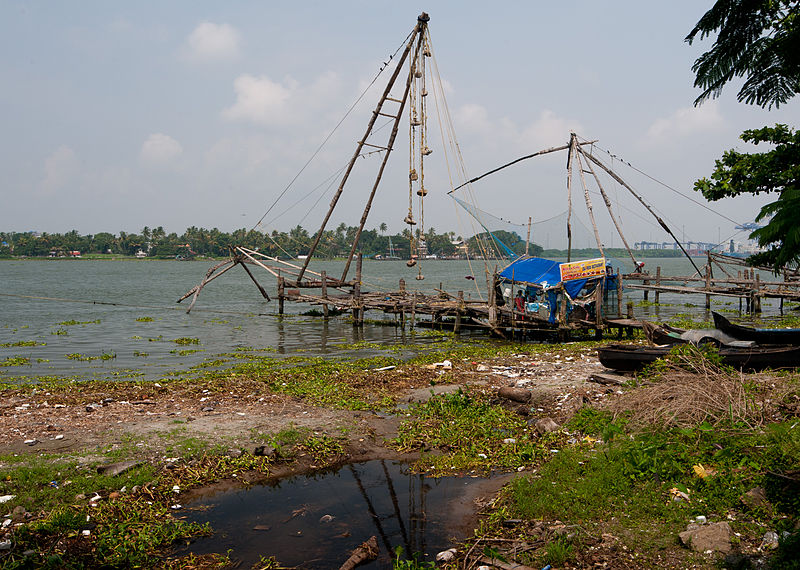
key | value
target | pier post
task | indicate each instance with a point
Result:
(756, 296)
(708, 286)
(281, 295)
(619, 294)
(630, 310)
(598, 305)
(658, 284)
(358, 310)
(413, 310)
(493, 301)
(324, 275)
(457, 325)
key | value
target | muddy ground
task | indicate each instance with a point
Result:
(233, 413)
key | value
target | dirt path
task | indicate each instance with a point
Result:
(238, 413)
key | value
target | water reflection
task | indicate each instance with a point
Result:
(315, 521)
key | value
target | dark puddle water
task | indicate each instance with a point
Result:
(316, 520)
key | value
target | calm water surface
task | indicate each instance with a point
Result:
(127, 309)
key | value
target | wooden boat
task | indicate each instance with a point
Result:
(760, 336)
(662, 334)
(667, 335)
(632, 357)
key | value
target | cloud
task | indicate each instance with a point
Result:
(546, 130)
(60, 168)
(211, 42)
(687, 121)
(265, 102)
(160, 149)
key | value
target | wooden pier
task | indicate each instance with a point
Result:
(746, 285)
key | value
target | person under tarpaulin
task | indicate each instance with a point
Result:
(519, 302)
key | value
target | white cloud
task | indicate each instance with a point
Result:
(160, 149)
(60, 168)
(687, 121)
(211, 42)
(548, 130)
(262, 101)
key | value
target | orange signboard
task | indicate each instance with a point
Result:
(583, 269)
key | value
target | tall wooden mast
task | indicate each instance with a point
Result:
(415, 41)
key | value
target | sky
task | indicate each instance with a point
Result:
(120, 115)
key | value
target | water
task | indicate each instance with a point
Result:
(129, 312)
(381, 498)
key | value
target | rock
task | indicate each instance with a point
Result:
(770, 541)
(265, 451)
(545, 425)
(262, 527)
(754, 498)
(326, 519)
(715, 536)
(207, 409)
(235, 453)
(113, 469)
(5, 545)
(520, 395)
(31, 441)
(446, 555)
(18, 514)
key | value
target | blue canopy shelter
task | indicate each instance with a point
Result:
(546, 275)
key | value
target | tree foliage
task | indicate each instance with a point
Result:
(756, 39)
(774, 171)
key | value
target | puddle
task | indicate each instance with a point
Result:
(316, 520)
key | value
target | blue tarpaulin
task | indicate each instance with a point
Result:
(540, 271)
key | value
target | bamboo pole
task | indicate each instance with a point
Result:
(661, 222)
(421, 24)
(608, 206)
(588, 201)
(281, 294)
(325, 312)
(569, 197)
(457, 325)
(658, 283)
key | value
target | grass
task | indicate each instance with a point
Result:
(630, 475)
(73, 322)
(468, 433)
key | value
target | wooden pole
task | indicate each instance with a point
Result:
(708, 286)
(588, 201)
(418, 29)
(608, 205)
(756, 295)
(358, 309)
(572, 140)
(658, 283)
(528, 240)
(281, 295)
(619, 294)
(325, 313)
(459, 308)
(493, 301)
